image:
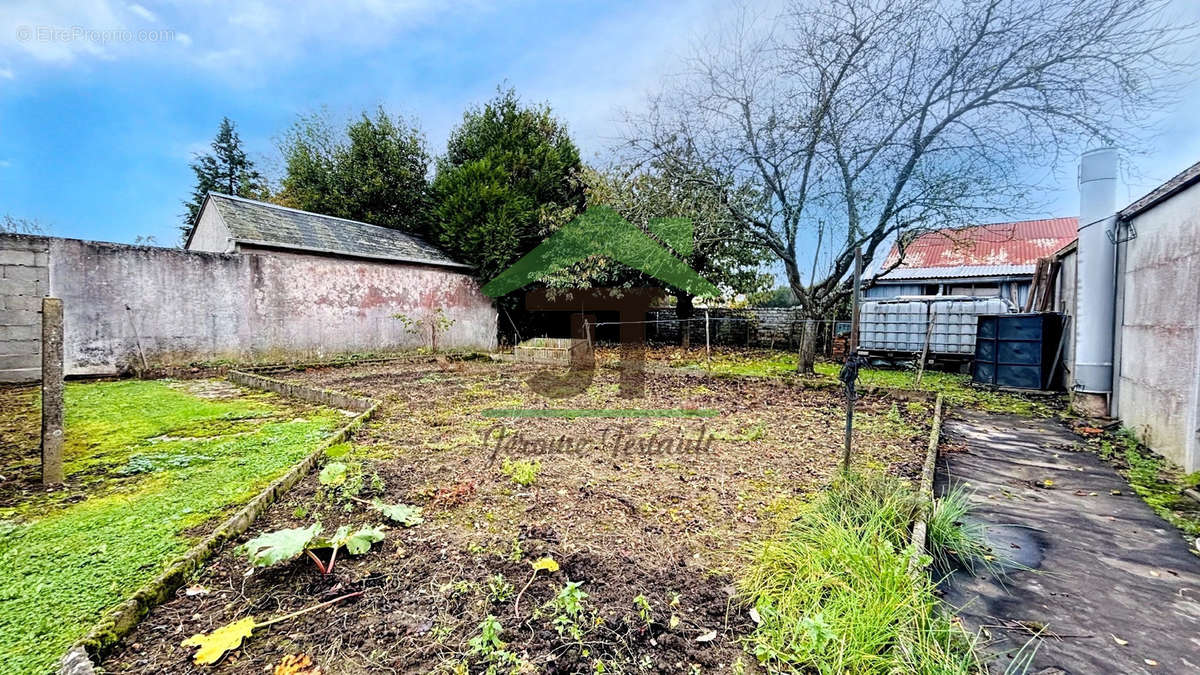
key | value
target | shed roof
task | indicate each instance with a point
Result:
(992, 250)
(263, 224)
(1163, 192)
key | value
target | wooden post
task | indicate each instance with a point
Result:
(925, 349)
(707, 342)
(851, 360)
(52, 391)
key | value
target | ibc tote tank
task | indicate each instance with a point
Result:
(900, 324)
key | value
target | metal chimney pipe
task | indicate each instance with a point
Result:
(1095, 276)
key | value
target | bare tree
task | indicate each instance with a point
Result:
(11, 225)
(865, 122)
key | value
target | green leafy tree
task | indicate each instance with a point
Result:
(374, 172)
(510, 176)
(226, 169)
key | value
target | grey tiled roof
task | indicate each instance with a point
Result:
(253, 222)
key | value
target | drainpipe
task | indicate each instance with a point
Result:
(1095, 282)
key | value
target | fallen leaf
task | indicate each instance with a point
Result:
(195, 590)
(548, 564)
(1119, 641)
(297, 664)
(1150, 662)
(754, 616)
(672, 622)
(214, 645)
(707, 637)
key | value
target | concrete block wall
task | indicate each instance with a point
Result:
(24, 281)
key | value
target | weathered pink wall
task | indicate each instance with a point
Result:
(302, 301)
(186, 306)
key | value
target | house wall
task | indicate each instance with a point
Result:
(186, 306)
(211, 234)
(1157, 368)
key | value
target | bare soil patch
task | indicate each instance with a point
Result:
(657, 507)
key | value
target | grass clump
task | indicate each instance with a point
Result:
(833, 591)
(953, 538)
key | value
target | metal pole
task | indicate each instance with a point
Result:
(858, 264)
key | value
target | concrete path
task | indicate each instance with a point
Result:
(1117, 584)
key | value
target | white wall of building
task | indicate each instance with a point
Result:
(1157, 369)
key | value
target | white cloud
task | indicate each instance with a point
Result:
(6, 73)
(4, 163)
(142, 12)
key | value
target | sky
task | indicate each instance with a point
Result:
(104, 102)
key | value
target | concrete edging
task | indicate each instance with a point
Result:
(925, 489)
(120, 620)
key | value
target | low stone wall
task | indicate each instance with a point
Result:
(137, 307)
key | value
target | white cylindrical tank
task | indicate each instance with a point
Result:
(1095, 271)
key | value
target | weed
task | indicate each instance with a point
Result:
(279, 546)
(499, 590)
(523, 472)
(488, 646)
(1158, 482)
(953, 537)
(834, 594)
(643, 609)
(567, 606)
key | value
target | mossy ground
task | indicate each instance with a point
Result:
(955, 387)
(1157, 481)
(148, 464)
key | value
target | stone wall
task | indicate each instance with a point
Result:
(173, 307)
(24, 280)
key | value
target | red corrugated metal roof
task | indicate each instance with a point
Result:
(1019, 243)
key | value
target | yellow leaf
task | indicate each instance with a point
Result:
(1119, 641)
(547, 564)
(214, 645)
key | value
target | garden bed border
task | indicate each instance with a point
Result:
(925, 490)
(120, 620)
